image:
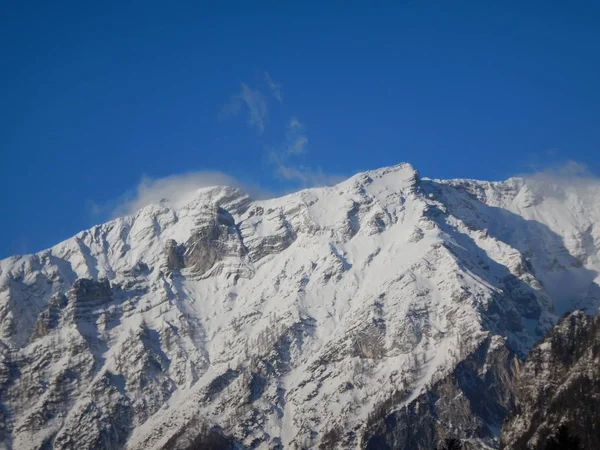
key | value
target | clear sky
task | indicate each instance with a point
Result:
(97, 98)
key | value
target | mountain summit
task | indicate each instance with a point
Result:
(338, 317)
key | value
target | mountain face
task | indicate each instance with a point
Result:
(559, 385)
(385, 312)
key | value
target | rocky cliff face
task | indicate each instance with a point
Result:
(298, 322)
(467, 404)
(559, 385)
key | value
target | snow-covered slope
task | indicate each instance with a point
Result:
(284, 321)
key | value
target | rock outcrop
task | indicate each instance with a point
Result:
(558, 386)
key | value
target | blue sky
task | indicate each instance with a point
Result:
(101, 102)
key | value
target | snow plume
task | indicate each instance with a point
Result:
(569, 171)
(560, 180)
(177, 190)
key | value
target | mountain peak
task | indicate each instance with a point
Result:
(286, 321)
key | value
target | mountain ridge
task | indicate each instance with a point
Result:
(280, 320)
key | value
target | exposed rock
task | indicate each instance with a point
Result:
(86, 292)
(174, 255)
(558, 385)
(214, 239)
(469, 404)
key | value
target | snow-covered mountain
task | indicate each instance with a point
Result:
(303, 321)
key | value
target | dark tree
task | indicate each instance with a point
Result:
(211, 439)
(563, 440)
(451, 444)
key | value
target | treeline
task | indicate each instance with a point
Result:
(561, 439)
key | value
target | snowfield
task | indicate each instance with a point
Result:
(284, 319)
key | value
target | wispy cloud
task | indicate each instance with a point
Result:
(253, 102)
(284, 158)
(295, 138)
(275, 87)
(307, 176)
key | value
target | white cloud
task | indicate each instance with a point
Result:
(175, 191)
(253, 102)
(275, 87)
